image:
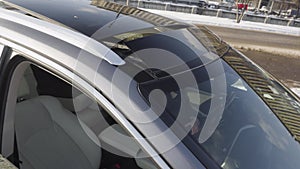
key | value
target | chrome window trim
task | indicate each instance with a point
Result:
(90, 91)
(74, 38)
(1, 49)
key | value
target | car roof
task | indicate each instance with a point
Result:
(107, 23)
(30, 37)
(87, 16)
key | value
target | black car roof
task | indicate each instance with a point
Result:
(87, 16)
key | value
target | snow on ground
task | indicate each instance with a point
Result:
(289, 53)
(294, 86)
(296, 91)
(225, 22)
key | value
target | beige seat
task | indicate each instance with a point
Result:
(71, 98)
(87, 111)
(51, 137)
(90, 113)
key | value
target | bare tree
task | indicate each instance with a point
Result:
(298, 9)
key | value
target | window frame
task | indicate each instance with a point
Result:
(5, 78)
(76, 81)
(1, 49)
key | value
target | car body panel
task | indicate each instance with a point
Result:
(1, 48)
(99, 71)
(75, 60)
(74, 38)
(79, 15)
(88, 17)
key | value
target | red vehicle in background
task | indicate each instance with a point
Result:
(242, 4)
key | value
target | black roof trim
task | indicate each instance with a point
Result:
(154, 19)
(34, 14)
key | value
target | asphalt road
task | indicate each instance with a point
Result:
(263, 40)
(280, 54)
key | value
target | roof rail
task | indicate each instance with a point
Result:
(33, 14)
(72, 37)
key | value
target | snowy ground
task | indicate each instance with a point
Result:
(296, 91)
(225, 22)
(295, 86)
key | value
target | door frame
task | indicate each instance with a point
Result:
(28, 55)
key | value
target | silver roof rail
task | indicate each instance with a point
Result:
(72, 37)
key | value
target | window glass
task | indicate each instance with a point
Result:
(57, 126)
(234, 126)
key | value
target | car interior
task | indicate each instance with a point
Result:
(58, 126)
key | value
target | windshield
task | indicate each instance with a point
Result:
(224, 117)
(181, 74)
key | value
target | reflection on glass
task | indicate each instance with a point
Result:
(248, 136)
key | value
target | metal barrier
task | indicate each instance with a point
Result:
(254, 18)
(206, 11)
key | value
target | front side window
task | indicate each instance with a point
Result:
(58, 126)
(185, 78)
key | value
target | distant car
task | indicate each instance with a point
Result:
(242, 6)
(213, 4)
(293, 13)
(199, 3)
(264, 9)
(203, 3)
(227, 4)
(97, 85)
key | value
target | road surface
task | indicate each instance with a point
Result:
(276, 53)
(270, 42)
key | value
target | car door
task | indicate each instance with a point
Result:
(30, 47)
(22, 65)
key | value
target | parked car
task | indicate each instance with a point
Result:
(94, 84)
(264, 9)
(213, 4)
(199, 3)
(293, 13)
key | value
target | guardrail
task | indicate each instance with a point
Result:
(209, 12)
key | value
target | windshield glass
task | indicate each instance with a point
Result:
(181, 74)
(179, 45)
(224, 117)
